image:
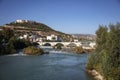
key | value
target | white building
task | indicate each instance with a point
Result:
(21, 21)
(32, 38)
(92, 44)
(75, 40)
(39, 39)
(52, 37)
(20, 37)
(25, 36)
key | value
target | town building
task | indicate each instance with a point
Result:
(52, 37)
(21, 21)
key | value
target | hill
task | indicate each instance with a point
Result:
(30, 25)
(83, 37)
(36, 27)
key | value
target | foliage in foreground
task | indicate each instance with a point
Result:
(106, 58)
(9, 43)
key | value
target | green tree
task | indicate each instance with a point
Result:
(47, 44)
(6, 44)
(101, 39)
(106, 59)
(113, 48)
(59, 46)
(31, 50)
(78, 50)
(1, 41)
(96, 60)
(1, 37)
(7, 33)
(21, 43)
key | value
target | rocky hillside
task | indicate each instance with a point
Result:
(40, 28)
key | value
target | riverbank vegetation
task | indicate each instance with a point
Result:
(78, 50)
(31, 50)
(9, 43)
(106, 59)
(6, 41)
(58, 46)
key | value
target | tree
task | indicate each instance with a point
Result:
(47, 44)
(21, 43)
(101, 39)
(6, 44)
(106, 59)
(59, 45)
(1, 37)
(1, 41)
(113, 49)
(78, 50)
(7, 33)
(31, 50)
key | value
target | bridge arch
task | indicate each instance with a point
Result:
(47, 44)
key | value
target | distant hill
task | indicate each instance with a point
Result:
(79, 35)
(42, 29)
(84, 36)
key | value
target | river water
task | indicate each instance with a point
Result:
(44, 67)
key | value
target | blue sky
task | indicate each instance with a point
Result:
(69, 16)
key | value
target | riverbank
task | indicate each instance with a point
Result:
(95, 74)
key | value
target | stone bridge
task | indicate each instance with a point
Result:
(90, 45)
(64, 43)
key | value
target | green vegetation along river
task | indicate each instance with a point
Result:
(45, 67)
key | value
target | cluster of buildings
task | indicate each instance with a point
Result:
(40, 38)
(54, 39)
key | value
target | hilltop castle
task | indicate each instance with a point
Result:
(21, 21)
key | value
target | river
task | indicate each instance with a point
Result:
(53, 66)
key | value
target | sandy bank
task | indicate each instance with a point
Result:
(95, 74)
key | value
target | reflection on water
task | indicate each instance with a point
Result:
(45, 67)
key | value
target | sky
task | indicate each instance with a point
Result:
(68, 16)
